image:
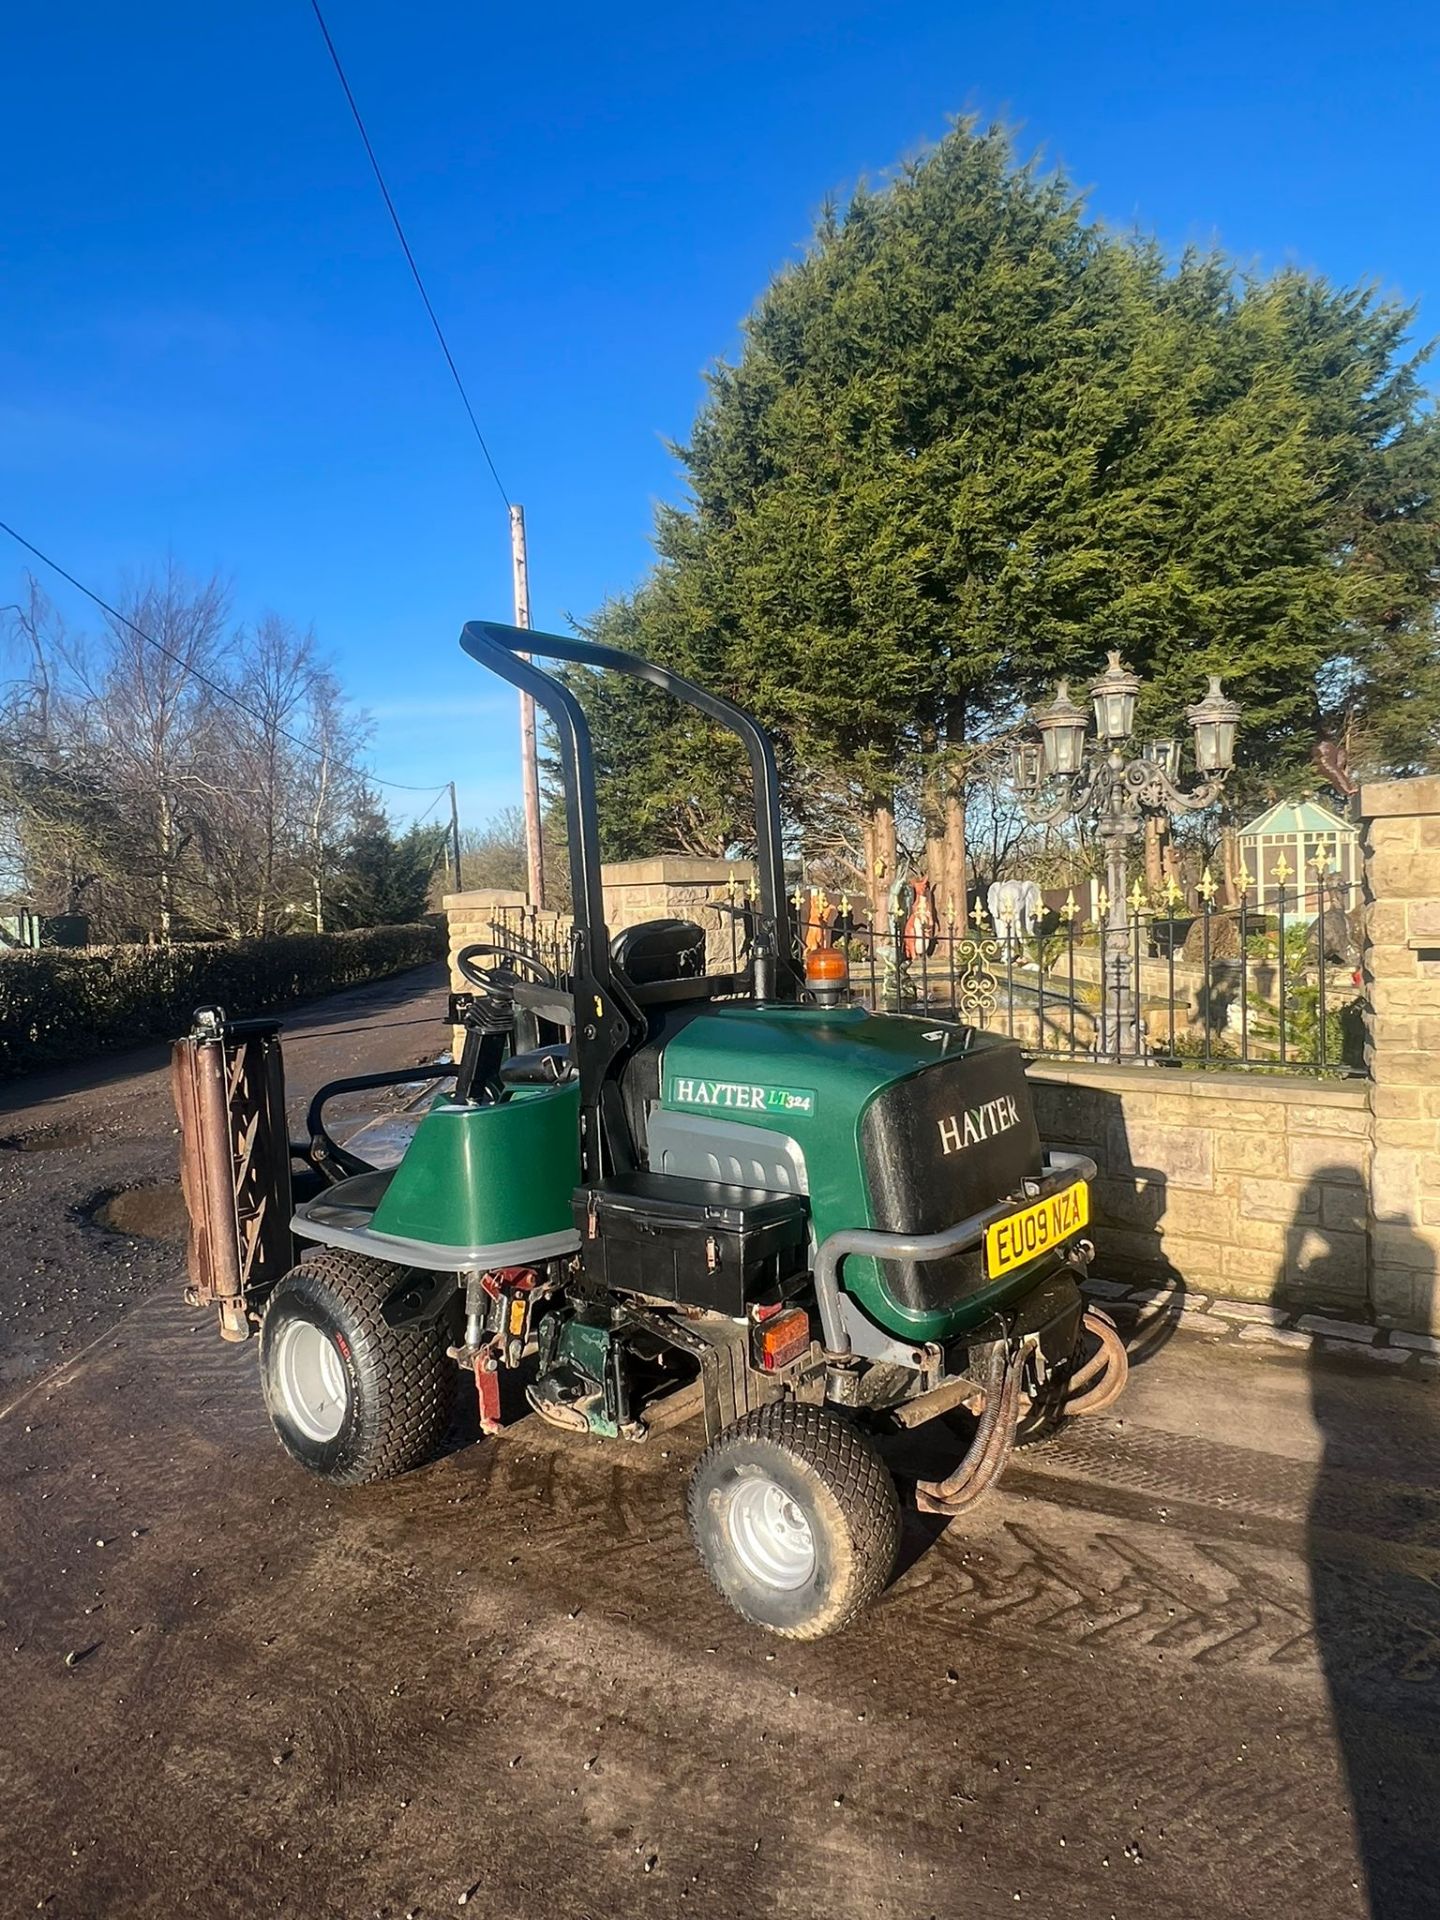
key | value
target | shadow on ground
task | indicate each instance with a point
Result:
(1129, 1200)
(1377, 1618)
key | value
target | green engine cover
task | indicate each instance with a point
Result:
(488, 1176)
(812, 1074)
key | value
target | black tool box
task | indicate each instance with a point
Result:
(696, 1242)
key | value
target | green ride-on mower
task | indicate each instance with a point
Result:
(657, 1193)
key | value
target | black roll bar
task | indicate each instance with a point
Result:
(499, 647)
(608, 1024)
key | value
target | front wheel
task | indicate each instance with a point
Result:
(352, 1398)
(795, 1518)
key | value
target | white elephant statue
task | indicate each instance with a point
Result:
(1015, 908)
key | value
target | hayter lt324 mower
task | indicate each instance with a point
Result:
(656, 1193)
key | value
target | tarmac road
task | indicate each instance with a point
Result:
(1184, 1663)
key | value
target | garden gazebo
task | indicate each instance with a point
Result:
(1280, 847)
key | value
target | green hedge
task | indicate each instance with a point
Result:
(62, 1005)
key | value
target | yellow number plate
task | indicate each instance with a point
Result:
(1024, 1236)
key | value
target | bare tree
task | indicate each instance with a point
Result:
(31, 632)
(280, 672)
(61, 832)
(26, 738)
(170, 775)
(250, 834)
(154, 713)
(494, 855)
(329, 787)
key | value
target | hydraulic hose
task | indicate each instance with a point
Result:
(990, 1449)
(1100, 1382)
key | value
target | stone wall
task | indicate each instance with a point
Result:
(1323, 1193)
(1400, 845)
(1253, 1186)
(468, 916)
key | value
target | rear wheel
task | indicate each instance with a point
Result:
(350, 1397)
(795, 1518)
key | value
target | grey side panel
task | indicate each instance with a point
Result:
(348, 1227)
(695, 1147)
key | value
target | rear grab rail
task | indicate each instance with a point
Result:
(1062, 1170)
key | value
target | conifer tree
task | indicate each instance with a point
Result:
(971, 441)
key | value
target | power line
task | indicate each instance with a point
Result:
(216, 687)
(405, 248)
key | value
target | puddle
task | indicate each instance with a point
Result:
(45, 1140)
(142, 1213)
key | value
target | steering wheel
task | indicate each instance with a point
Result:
(492, 979)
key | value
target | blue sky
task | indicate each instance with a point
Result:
(209, 342)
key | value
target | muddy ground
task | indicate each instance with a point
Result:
(1185, 1663)
(93, 1147)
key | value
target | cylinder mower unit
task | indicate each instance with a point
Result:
(229, 1090)
(656, 1194)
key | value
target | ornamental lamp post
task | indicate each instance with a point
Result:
(1062, 732)
(1214, 719)
(1027, 764)
(1165, 754)
(1113, 696)
(1083, 779)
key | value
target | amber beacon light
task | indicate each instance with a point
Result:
(827, 975)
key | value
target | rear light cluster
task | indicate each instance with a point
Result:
(782, 1338)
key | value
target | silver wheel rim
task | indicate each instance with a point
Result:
(311, 1378)
(770, 1535)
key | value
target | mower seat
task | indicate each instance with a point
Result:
(657, 950)
(640, 1075)
(539, 1067)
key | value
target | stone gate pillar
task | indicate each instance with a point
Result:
(470, 917)
(1401, 846)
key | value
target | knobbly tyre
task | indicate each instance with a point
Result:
(656, 1193)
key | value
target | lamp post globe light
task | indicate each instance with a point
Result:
(1068, 775)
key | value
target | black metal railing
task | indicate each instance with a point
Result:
(1268, 988)
(535, 935)
(1262, 986)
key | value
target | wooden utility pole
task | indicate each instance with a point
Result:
(529, 765)
(455, 836)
